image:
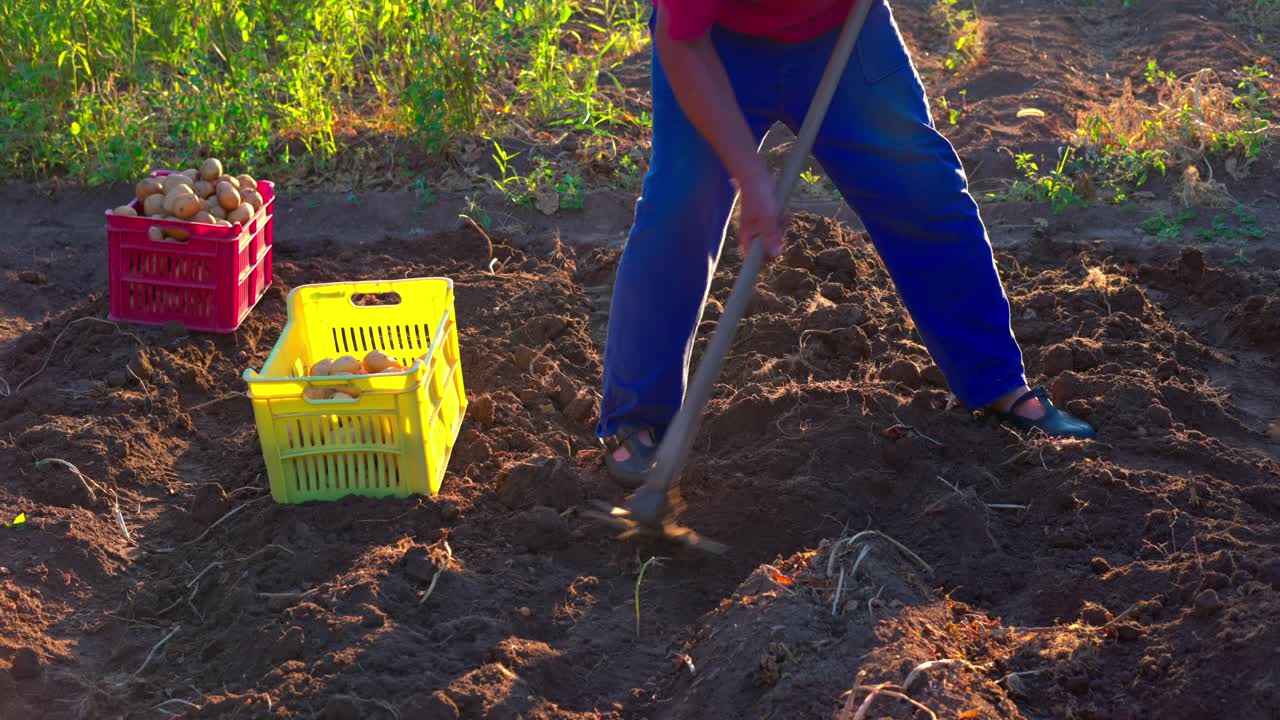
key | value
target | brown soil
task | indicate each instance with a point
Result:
(1137, 576)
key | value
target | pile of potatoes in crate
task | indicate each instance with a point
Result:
(203, 195)
(374, 362)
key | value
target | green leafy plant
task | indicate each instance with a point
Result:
(1165, 226)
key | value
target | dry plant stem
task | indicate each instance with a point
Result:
(54, 346)
(853, 574)
(155, 648)
(289, 595)
(835, 602)
(851, 541)
(924, 667)
(448, 558)
(207, 530)
(887, 689)
(4, 387)
(220, 398)
(89, 484)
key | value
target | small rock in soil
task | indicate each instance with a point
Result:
(541, 528)
(1207, 603)
(33, 277)
(26, 664)
(1099, 565)
(1058, 359)
(436, 706)
(1273, 430)
(117, 378)
(341, 707)
(289, 646)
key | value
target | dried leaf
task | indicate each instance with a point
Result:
(780, 578)
(1030, 112)
(968, 714)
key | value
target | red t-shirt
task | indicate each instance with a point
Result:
(782, 20)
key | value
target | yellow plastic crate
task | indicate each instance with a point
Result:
(396, 436)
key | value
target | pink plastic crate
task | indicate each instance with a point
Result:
(209, 282)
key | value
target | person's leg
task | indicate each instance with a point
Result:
(903, 178)
(666, 267)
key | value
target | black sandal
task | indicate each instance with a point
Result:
(1054, 422)
(629, 473)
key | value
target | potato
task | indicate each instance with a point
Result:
(345, 365)
(174, 179)
(228, 197)
(377, 361)
(203, 188)
(177, 233)
(242, 214)
(211, 169)
(392, 369)
(192, 173)
(231, 179)
(149, 186)
(247, 181)
(153, 205)
(317, 393)
(216, 211)
(186, 206)
(126, 210)
(155, 233)
(340, 395)
(203, 217)
(221, 222)
(251, 196)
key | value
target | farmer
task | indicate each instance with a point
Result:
(724, 71)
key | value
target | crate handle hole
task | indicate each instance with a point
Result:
(367, 299)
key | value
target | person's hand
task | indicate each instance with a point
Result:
(759, 214)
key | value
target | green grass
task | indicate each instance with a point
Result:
(100, 92)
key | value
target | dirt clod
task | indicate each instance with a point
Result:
(289, 646)
(901, 371)
(542, 528)
(26, 664)
(1207, 603)
(341, 707)
(1094, 614)
(544, 480)
(433, 706)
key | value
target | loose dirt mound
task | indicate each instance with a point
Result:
(1076, 579)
